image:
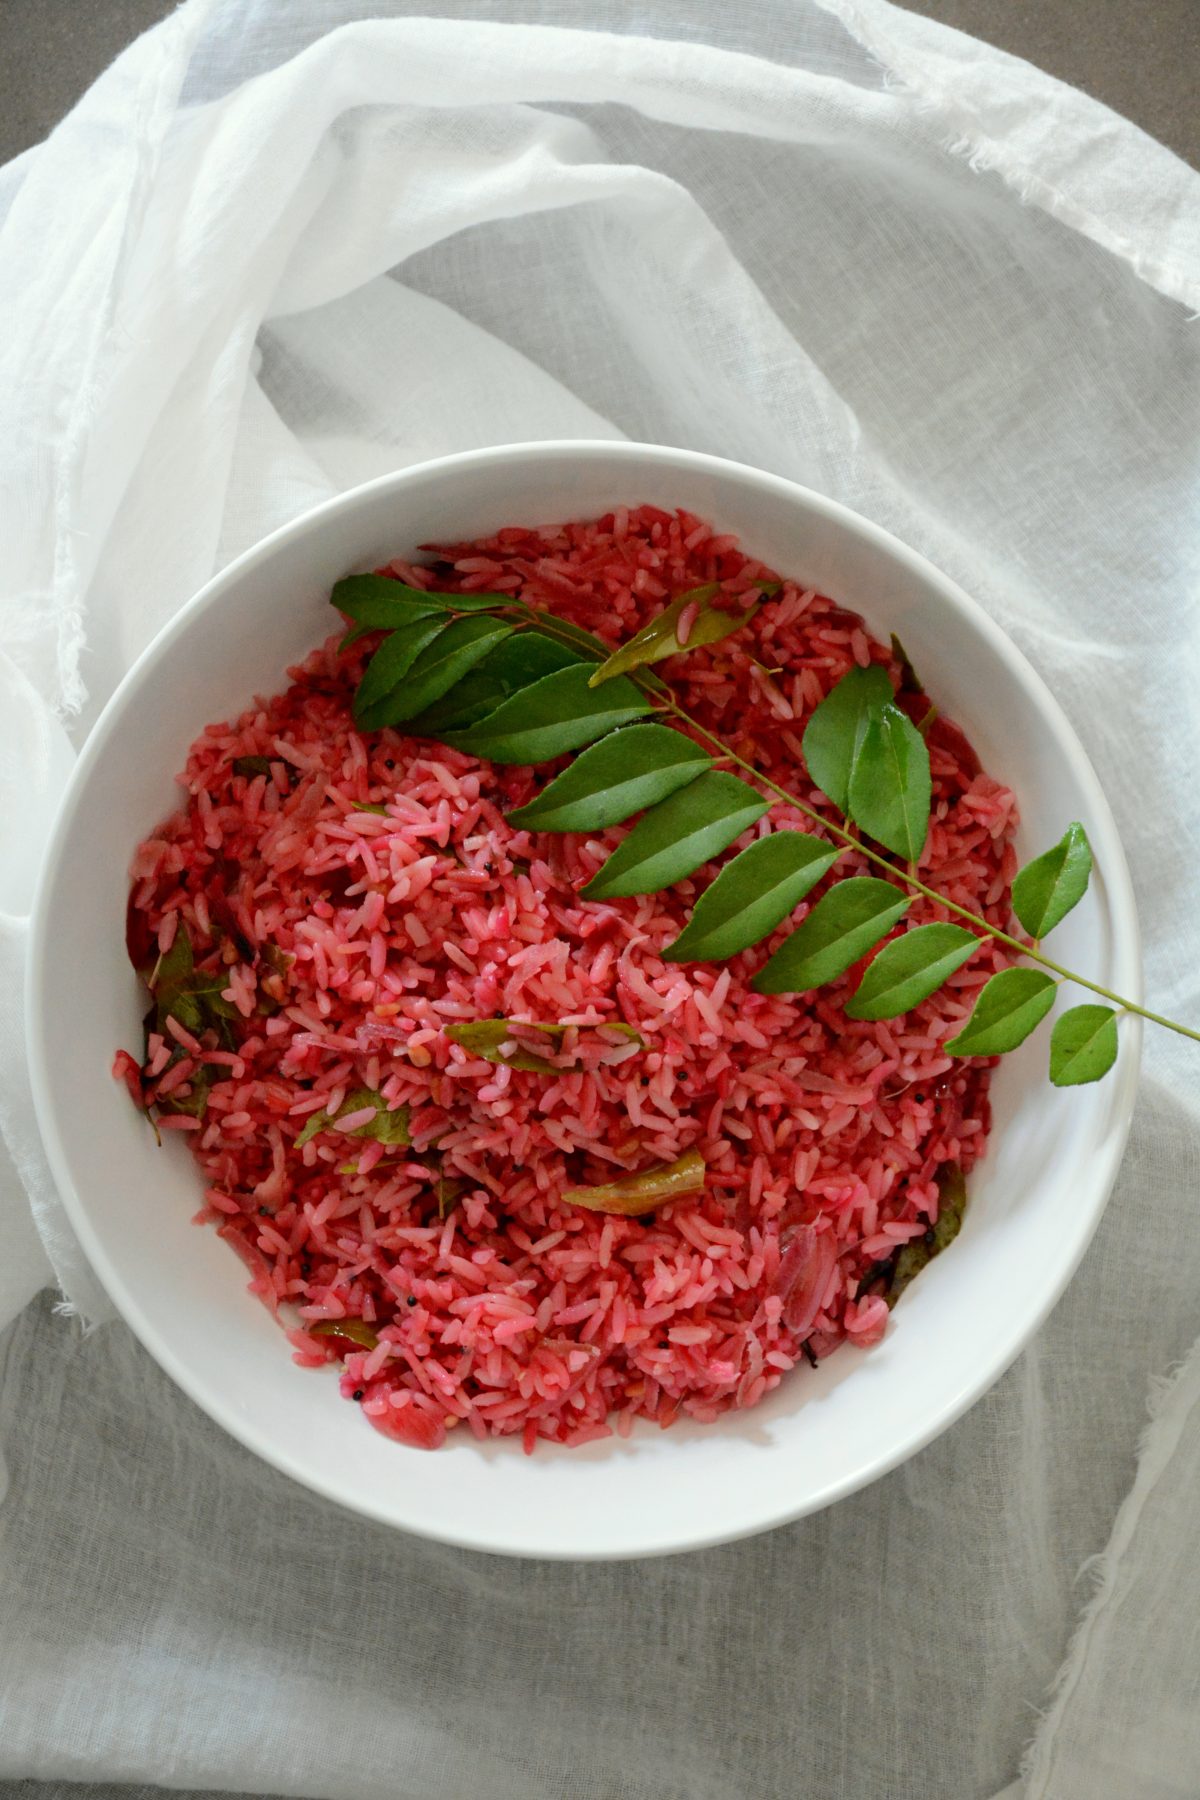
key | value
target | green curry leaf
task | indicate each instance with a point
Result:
(752, 894)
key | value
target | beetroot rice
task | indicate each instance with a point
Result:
(823, 1137)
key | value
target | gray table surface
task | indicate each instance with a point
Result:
(1141, 59)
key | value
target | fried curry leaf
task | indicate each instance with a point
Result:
(915, 1255)
(355, 1331)
(632, 1195)
(387, 1127)
(193, 997)
(487, 1038)
(194, 1103)
(450, 1190)
(910, 681)
(174, 966)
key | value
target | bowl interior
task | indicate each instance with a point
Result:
(1034, 1201)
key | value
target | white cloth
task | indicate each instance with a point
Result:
(280, 247)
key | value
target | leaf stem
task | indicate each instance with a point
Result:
(909, 880)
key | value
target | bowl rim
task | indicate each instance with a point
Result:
(1125, 956)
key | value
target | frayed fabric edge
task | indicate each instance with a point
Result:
(1171, 1399)
(63, 1307)
(964, 139)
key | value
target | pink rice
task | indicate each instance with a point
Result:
(517, 1314)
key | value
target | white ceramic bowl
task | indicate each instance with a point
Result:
(1035, 1200)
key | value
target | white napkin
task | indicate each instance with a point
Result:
(282, 247)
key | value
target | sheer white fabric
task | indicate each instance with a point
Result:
(281, 247)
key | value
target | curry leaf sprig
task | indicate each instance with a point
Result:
(495, 677)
